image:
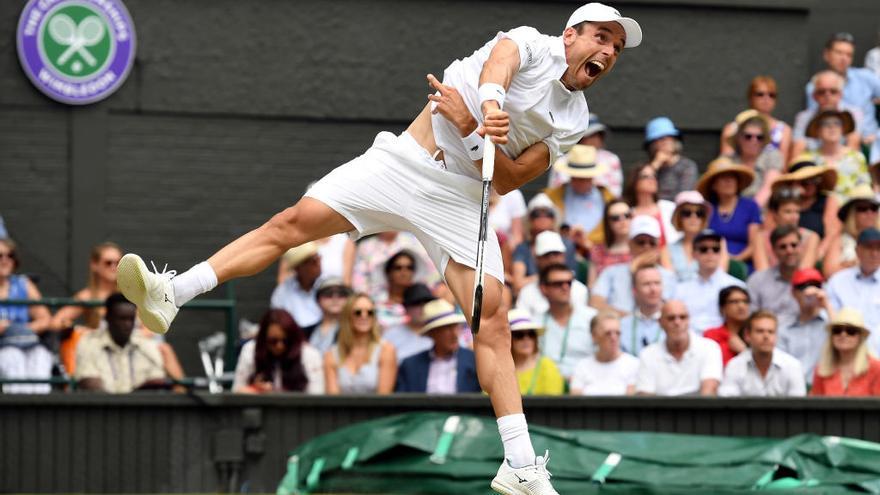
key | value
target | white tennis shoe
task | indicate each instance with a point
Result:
(527, 480)
(152, 292)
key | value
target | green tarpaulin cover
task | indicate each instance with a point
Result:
(410, 454)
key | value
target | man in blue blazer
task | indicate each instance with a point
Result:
(446, 368)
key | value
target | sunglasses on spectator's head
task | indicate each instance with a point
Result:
(787, 245)
(806, 285)
(851, 331)
(687, 213)
(523, 334)
(788, 193)
(748, 136)
(616, 218)
(866, 207)
(559, 284)
(364, 312)
(113, 262)
(7, 256)
(335, 292)
(705, 249)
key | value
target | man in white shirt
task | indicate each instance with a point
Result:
(609, 371)
(858, 287)
(427, 181)
(566, 338)
(700, 293)
(763, 371)
(549, 250)
(297, 294)
(641, 328)
(684, 363)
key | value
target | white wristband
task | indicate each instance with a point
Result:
(473, 144)
(492, 91)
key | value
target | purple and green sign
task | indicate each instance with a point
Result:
(76, 51)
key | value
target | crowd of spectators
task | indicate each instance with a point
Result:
(758, 277)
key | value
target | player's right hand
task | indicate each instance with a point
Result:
(496, 122)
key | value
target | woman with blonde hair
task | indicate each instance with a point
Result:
(857, 214)
(360, 362)
(846, 366)
(536, 374)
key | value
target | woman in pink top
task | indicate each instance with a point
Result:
(846, 367)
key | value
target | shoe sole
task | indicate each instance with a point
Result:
(131, 280)
(499, 488)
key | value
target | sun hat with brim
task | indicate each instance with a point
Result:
(580, 162)
(439, 313)
(802, 168)
(685, 198)
(296, 256)
(332, 283)
(724, 165)
(849, 124)
(659, 127)
(746, 116)
(862, 193)
(597, 12)
(521, 321)
(848, 317)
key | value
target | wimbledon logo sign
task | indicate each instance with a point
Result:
(76, 51)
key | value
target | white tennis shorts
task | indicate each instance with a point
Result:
(397, 185)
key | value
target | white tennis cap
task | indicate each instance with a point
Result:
(548, 242)
(597, 12)
(644, 225)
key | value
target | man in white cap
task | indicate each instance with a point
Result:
(297, 293)
(549, 250)
(523, 89)
(613, 289)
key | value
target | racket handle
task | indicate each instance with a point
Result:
(488, 158)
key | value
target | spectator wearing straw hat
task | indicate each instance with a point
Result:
(675, 172)
(859, 287)
(446, 368)
(549, 250)
(846, 366)
(827, 94)
(595, 136)
(700, 294)
(736, 218)
(581, 202)
(296, 294)
(829, 127)
(763, 370)
(858, 213)
(613, 289)
(536, 374)
(804, 335)
(762, 97)
(818, 206)
(609, 371)
(750, 148)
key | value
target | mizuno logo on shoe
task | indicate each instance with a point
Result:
(519, 479)
(166, 298)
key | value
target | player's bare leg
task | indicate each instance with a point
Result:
(521, 473)
(158, 296)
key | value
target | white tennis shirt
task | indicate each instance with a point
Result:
(540, 107)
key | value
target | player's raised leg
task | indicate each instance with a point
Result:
(159, 295)
(521, 472)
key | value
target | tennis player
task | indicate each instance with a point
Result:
(523, 89)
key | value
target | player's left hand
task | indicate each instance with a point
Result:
(496, 123)
(447, 101)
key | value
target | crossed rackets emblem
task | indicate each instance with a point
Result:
(77, 38)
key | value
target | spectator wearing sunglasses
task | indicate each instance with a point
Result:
(762, 97)
(784, 208)
(332, 294)
(360, 362)
(445, 368)
(700, 293)
(763, 370)
(400, 270)
(641, 193)
(615, 248)
(804, 335)
(690, 217)
(858, 213)
(859, 287)
(567, 337)
(862, 86)
(682, 364)
(542, 216)
(818, 205)
(549, 250)
(733, 302)
(828, 127)
(614, 289)
(771, 288)
(279, 359)
(751, 148)
(827, 94)
(537, 374)
(609, 371)
(846, 366)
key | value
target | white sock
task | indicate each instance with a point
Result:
(517, 444)
(189, 284)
